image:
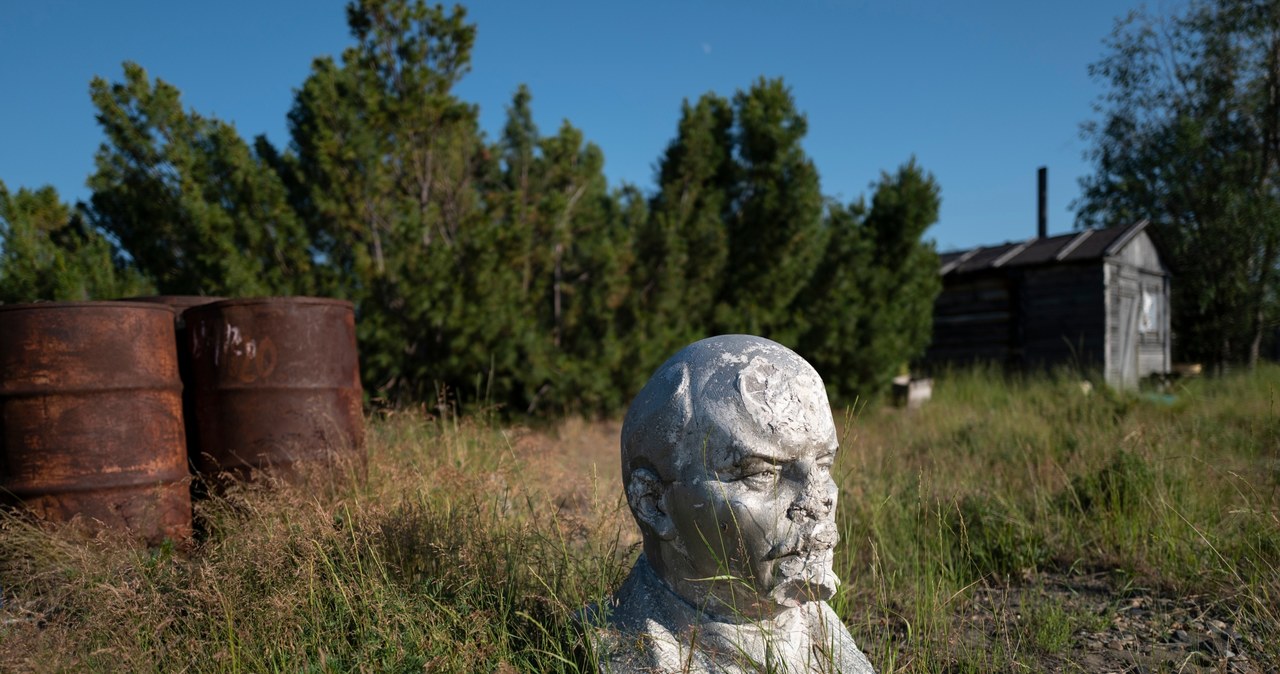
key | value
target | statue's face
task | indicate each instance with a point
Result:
(755, 500)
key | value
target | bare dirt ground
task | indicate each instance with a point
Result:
(1114, 627)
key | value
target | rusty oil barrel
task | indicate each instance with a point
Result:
(276, 386)
(180, 304)
(91, 411)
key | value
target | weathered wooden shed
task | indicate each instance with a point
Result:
(1097, 299)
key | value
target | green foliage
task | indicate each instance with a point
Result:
(868, 307)
(1120, 487)
(504, 274)
(995, 537)
(512, 272)
(578, 275)
(775, 220)
(836, 305)
(682, 248)
(194, 207)
(740, 240)
(49, 252)
(1050, 626)
(1189, 137)
(385, 163)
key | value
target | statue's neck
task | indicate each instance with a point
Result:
(691, 597)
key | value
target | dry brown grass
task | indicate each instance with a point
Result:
(971, 530)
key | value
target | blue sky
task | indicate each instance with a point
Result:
(980, 93)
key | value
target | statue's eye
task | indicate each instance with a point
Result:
(761, 477)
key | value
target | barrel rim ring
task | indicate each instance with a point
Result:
(288, 300)
(162, 299)
(102, 304)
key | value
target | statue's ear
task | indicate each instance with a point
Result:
(647, 496)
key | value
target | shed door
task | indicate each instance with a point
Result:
(1130, 315)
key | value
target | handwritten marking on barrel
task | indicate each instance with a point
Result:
(252, 360)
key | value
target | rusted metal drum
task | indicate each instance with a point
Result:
(180, 304)
(91, 415)
(276, 386)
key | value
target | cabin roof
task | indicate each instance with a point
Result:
(1082, 246)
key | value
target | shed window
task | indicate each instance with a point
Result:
(1149, 322)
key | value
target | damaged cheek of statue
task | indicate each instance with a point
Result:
(726, 464)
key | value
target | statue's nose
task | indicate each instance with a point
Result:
(816, 497)
(824, 536)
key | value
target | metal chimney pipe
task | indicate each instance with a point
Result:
(1042, 202)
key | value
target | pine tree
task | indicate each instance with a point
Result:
(775, 220)
(868, 308)
(682, 249)
(736, 226)
(904, 280)
(577, 276)
(385, 162)
(590, 266)
(740, 239)
(835, 311)
(188, 200)
(49, 252)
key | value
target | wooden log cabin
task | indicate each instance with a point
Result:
(1096, 300)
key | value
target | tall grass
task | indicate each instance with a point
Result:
(1000, 479)
(470, 546)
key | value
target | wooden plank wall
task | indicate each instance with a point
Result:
(1063, 317)
(1042, 317)
(971, 321)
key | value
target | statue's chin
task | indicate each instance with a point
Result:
(804, 578)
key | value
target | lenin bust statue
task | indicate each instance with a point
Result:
(726, 463)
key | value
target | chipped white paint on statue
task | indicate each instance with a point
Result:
(726, 460)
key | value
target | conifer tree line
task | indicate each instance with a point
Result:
(504, 272)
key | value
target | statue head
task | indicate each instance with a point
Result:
(726, 462)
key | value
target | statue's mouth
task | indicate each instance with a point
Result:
(822, 538)
(804, 577)
(780, 552)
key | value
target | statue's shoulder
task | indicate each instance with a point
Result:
(623, 641)
(827, 628)
(637, 630)
(651, 649)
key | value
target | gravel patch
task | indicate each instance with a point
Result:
(1051, 622)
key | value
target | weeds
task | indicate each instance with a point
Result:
(470, 547)
(1050, 627)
